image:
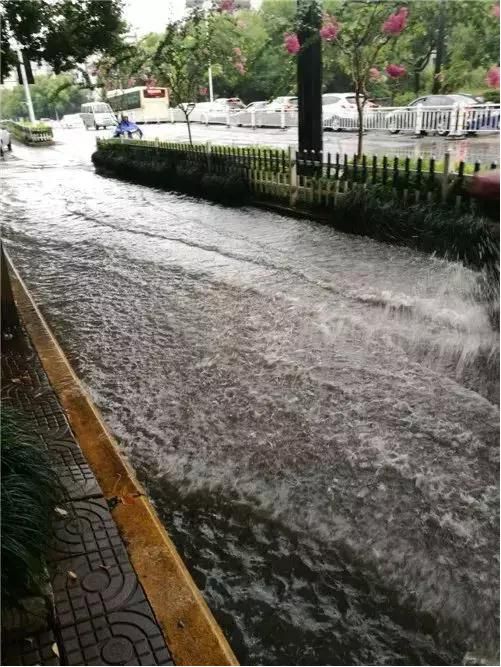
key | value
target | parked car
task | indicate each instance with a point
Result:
(339, 106)
(245, 115)
(72, 121)
(483, 120)
(5, 141)
(286, 103)
(440, 122)
(232, 103)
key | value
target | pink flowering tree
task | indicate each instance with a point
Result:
(365, 32)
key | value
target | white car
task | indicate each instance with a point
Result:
(232, 103)
(5, 141)
(244, 116)
(72, 121)
(336, 106)
(287, 103)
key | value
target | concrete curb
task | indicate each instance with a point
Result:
(190, 630)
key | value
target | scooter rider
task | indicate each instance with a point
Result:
(125, 126)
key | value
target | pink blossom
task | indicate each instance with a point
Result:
(237, 51)
(329, 30)
(395, 71)
(495, 11)
(202, 90)
(492, 77)
(396, 22)
(374, 74)
(291, 43)
(226, 6)
(240, 68)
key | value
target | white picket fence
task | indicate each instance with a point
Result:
(455, 121)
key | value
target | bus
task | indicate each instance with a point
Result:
(141, 104)
(96, 115)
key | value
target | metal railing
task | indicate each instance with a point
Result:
(455, 121)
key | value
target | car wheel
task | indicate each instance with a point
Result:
(9, 147)
(442, 126)
(335, 125)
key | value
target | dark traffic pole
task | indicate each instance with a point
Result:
(309, 76)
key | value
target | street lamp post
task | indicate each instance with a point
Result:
(24, 79)
(309, 77)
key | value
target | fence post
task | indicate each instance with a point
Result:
(208, 150)
(445, 176)
(253, 118)
(282, 118)
(460, 116)
(292, 178)
(419, 119)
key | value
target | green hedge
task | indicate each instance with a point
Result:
(464, 237)
(30, 133)
(170, 170)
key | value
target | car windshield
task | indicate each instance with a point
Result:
(464, 99)
(330, 99)
(101, 108)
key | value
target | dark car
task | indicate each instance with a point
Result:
(437, 112)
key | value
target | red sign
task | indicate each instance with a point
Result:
(154, 92)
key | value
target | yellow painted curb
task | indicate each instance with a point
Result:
(190, 630)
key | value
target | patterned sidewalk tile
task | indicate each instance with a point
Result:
(74, 472)
(35, 650)
(94, 584)
(82, 527)
(120, 638)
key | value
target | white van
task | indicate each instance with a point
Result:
(96, 115)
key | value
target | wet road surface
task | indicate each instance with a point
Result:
(470, 149)
(314, 415)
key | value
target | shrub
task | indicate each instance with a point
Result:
(170, 170)
(30, 492)
(458, 236)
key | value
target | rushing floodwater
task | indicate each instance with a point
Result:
(314, 415)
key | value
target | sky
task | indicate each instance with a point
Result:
(152, 15)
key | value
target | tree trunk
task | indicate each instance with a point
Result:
(441, 47)
(417, 82)
(189, 128)
(360, 101)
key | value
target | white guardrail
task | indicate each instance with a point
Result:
(455, 121)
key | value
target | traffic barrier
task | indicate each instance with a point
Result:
(457, 120)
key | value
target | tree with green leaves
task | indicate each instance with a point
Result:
(52, 96)
(62, 33)
(180, 61)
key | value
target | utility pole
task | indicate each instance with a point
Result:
(26, 87)
(211, 90)
(309, 77)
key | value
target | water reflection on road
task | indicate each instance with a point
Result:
(314, 414)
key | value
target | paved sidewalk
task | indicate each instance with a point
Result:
(102, 616)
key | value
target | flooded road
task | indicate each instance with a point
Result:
(314, 415)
